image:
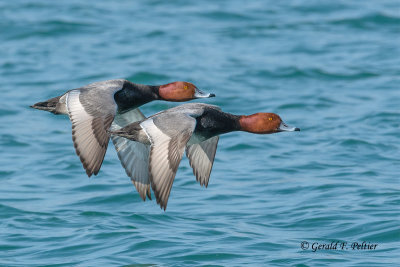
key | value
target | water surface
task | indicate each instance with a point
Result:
(331, 69)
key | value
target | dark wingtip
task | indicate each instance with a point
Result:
(297, 129)
(148, 193)
(212, 95)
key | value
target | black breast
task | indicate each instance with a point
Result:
(133, 95)
(215, 122)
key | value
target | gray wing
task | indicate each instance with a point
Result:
(201, 158)
(134, 156)
(91, 113)
(168, 134)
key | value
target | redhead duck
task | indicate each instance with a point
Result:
(94, 107)
(195, 126)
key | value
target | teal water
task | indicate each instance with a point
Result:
(330, 68)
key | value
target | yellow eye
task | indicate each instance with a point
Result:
(185, 87)
(270, 119)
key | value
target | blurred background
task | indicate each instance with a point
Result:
(330, 68)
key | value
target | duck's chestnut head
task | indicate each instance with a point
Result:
(264, 123)
(181, 91)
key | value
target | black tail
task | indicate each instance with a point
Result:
(118, 133)
(130, 131)
(48, 105)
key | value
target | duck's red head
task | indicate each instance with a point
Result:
(181, 91)
(264, 123)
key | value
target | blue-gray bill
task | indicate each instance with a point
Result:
(286, 128)
(200, 94)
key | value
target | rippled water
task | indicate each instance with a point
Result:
(330, 68)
